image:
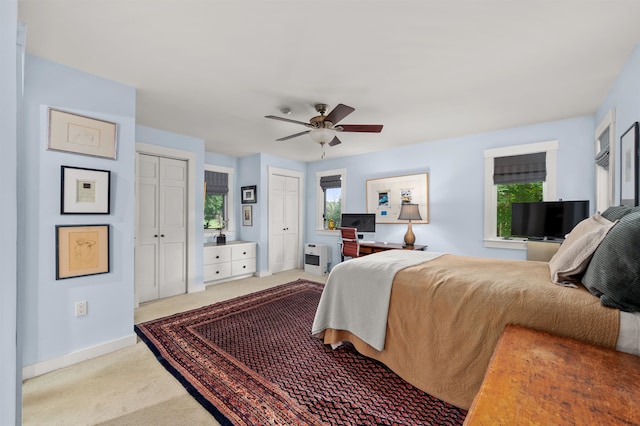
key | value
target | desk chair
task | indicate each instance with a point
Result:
(350, 244)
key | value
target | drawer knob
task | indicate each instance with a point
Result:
(218, 257)
(244, 266)
(244, 252)
(217, 272)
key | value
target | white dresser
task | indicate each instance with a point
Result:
(230, 261)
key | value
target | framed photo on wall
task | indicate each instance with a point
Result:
(248, 194)
(81, 135)
(247, 215)
(84, 191)
(629, 176)
(81, 250)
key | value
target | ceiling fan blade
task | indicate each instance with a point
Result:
(335, 141)
(371, 128)
(338, 113)
(293, 136)
(273, 117)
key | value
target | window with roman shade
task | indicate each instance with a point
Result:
(216, 182)
(520, 168)
(333, 181)
(602, 157)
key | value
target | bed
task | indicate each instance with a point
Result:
(435, 318)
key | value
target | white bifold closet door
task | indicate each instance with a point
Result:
(161, 234)
(284, 223)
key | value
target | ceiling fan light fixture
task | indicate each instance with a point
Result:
(322, 135)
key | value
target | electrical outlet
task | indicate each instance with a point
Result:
(81, 308)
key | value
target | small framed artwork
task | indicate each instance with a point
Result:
(629, 176)
(81, 250)
(85, 191)
(247, 215)
(81, 135)
(249, 194)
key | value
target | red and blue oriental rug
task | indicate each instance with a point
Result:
(252, 361)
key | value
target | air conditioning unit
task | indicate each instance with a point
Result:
(317, 258)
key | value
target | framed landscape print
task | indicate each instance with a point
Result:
(81, 135)
(629, 175)
(81, 250)
(84, 191)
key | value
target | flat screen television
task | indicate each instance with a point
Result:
(363, 222)
(547, 219)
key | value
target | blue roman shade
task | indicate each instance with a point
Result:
(216, 182)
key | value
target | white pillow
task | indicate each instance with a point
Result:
(573, 256)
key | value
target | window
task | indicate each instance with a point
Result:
(331, 184)
(516, 174)
(605, 161)
(217, 197)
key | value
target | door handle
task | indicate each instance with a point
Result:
(162, 235)
(155, 235)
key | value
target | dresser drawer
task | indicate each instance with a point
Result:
(216, 255)
(244, 251)
(217, 271)
(241, 267)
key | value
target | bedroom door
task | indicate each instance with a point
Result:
(284, 219)
(160, 252)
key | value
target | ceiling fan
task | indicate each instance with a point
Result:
(324, 127)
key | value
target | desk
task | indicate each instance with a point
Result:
(369, 248)
(535, 378)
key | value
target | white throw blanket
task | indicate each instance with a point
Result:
(356, 295)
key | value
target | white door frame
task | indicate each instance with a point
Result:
(190, 158)
(291, 173)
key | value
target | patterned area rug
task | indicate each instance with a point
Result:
(252, 361)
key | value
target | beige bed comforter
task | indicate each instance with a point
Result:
(445, 317)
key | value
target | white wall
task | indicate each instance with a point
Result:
(10, 375)
(50, 330)
(456, 183)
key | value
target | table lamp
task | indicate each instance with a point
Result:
(409, 212)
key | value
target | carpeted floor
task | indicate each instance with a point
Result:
(251, 360)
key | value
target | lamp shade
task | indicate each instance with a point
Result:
(409, 212)
(322, 135)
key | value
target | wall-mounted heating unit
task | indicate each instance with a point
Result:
(316, 258)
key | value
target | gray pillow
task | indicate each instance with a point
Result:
(614, 271)
(614, 213)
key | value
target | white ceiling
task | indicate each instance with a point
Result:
(426, 69)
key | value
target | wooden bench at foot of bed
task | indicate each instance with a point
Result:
(538, 378)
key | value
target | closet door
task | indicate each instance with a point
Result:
(284, 218)
(160, 253)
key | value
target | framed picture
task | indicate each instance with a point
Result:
(81, 250)
(249, 194)
(85, 191)
(385, 196)
(81, 135)
(247, 215)
(629, 176)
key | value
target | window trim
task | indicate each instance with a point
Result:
(231, 214)
(549, 188)
(320, 198)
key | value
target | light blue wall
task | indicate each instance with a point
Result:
(10, 374)
(46, 306)
(624, 96)
(184, 143)
(456, 183)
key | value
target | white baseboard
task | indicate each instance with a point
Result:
(262, 274)
(49, 365)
